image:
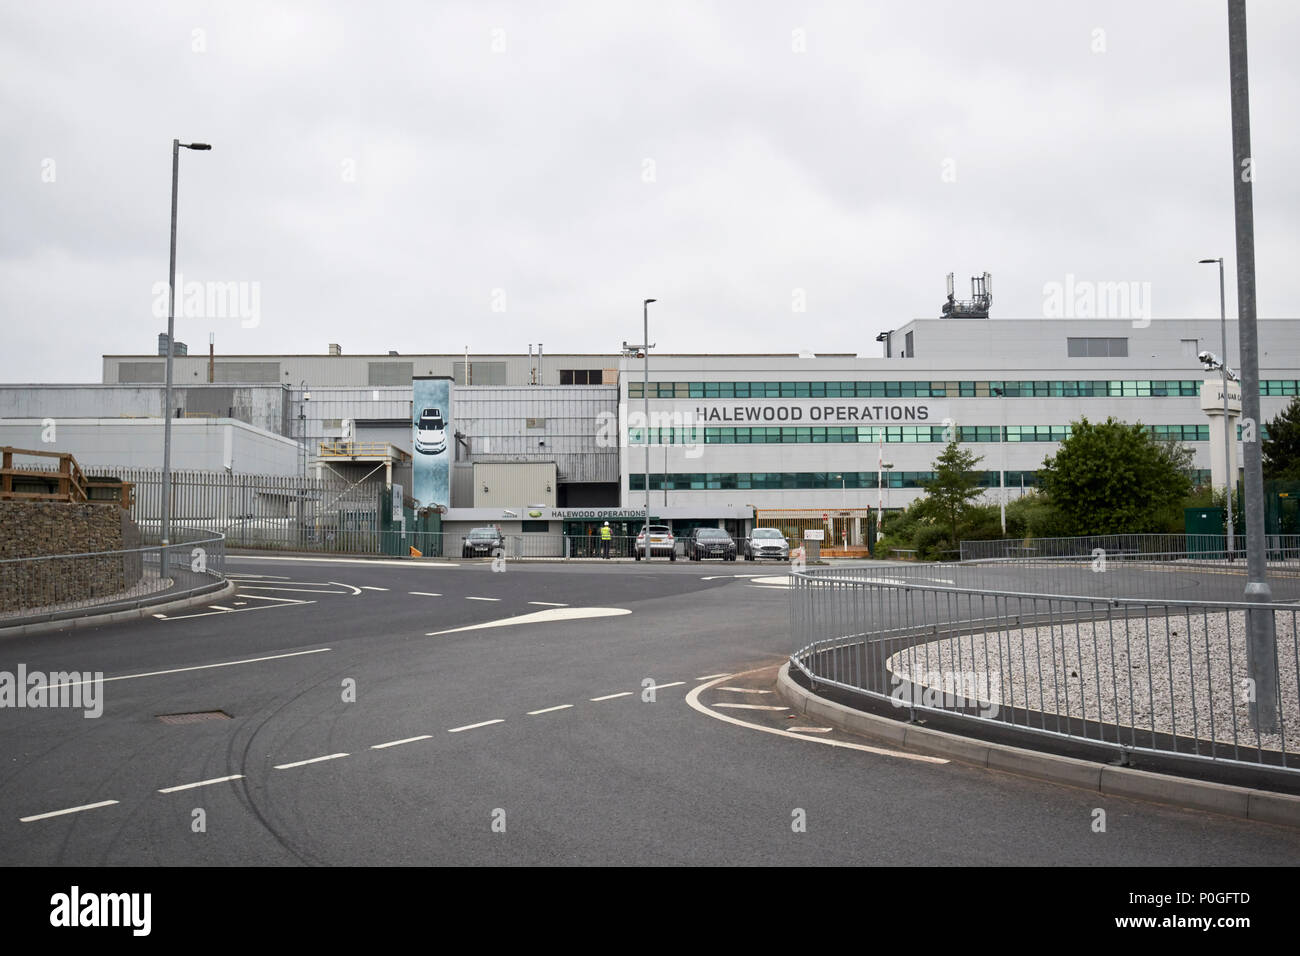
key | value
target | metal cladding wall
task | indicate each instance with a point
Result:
(560, 424)
(265, 406)
(514, 484)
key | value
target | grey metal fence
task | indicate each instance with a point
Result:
(73, 585)
(1128, 674)
(1184, 547)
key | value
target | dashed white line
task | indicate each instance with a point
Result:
(404, 740)
(218, 607)
(712, 676)
(624, 693)
(202, 783)
(59, 813)
(303, 763)
(267, 597)
(481, 599)
(425, 593)
(547, 710)
(547, 604)
(676, 683)
(753, 706)
(483, 723)
(745, 690)
(371, 587)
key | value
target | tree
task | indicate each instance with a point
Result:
(1281, 450)
(1115, 478)
(954, 486)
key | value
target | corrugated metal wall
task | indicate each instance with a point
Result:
(546, 423)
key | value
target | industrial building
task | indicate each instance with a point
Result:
(557, 443)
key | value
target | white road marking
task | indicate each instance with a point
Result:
(355, 591)
(483, 723)
(547, 710)
(303, 763)
(624, 693)
(202, 783)
(693, 699)
(242, 610)
(711, 676)
(264, 577)
(715, 577)
(676, 683)
(540, 617)
(811, 730)
(371, 587)
(548, 604)
(745, 690)
(59, 813)
(267, 597)
(425, 593)
(753, 706)
(200, 667)
(267, 587)
(364, 561)
(240, 603)
(766, 587)
(481, 599)
(218, 607)
(404, 740)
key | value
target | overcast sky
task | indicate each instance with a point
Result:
(431, 176)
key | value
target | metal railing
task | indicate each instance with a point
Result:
(1185, 547)
(73, 585)
(1161, 676)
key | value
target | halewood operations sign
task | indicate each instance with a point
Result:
(837, 414)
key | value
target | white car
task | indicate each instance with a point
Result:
(431, 432)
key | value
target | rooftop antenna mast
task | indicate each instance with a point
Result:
(977, 306)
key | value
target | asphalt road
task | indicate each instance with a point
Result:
(641, 736)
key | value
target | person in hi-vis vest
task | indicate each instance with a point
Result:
(605, 536)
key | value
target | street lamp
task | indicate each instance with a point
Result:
(886, 467)
(645, 348)
(171, 350)
(1229, 446)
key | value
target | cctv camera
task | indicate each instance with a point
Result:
(1207, 358)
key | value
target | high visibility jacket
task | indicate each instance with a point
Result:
(605, 534)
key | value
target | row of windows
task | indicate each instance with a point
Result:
(980, 389)
(802, 480)
(865, 434)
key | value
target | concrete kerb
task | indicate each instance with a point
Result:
(220, 591)
(1243, 802)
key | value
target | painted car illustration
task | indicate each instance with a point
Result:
(431, 432)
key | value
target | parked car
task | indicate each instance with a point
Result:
(431, 432)
(767, 543)
(661, 542)
(482, 542)
(710, 543)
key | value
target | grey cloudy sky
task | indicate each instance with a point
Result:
(381, 170)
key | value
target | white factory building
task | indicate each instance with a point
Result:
(729, 433)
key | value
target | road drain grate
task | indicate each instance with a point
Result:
(194, 718)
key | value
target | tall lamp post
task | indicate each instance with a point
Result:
(171, 350)
(1229, 446)
(645, 348)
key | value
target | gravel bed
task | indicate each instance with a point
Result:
(1183, 674)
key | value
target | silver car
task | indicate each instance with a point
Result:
(767, 543)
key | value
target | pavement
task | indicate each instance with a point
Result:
(397, 712)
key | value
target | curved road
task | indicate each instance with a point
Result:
(370, 721)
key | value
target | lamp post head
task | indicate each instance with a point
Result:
(199, 146)
(648, 301)
(1210, 262)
